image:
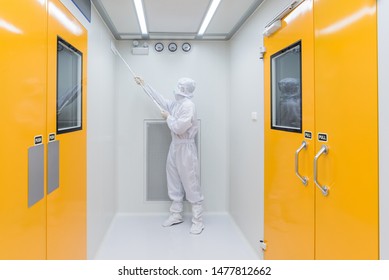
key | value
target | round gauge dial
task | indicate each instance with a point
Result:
(172, 47)
(186, 47)
(159, 47)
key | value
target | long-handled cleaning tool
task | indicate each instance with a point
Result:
(116, 52)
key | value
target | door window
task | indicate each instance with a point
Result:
(69, 87)
(286, 89)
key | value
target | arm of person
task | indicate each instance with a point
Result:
(179, 125)
(163, 102)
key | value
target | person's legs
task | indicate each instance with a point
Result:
(188, 169)
(175, 190)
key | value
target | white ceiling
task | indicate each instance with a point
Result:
(175, 19)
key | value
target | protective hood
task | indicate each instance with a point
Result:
(185, 87)
(290, 86)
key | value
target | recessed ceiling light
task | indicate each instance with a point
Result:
(141, 16)
(211, 12)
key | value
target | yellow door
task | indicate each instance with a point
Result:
(346, 110)
(289, 111)
(341, 204)
(66, 200)
(23, 63)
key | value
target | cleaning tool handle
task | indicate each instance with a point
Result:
(134, 75)
(128, 66)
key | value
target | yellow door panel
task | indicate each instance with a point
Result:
(23, 63)
(66, 205)
(343, 93)
(289, 205)
(33, 225)
(346, 109)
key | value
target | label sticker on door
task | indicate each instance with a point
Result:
(38, 140)
(51, 137)
(308, 135)
(322, 137)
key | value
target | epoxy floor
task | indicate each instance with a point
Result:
(141, 237)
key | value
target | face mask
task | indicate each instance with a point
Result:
(179, 93)
(180, 89)
(178, 97)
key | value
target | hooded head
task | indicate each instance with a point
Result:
(185, 87)
(289, 86)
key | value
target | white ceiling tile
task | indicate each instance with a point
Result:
(228, 15)
(175, 16)
(160, 36)
(122, 14)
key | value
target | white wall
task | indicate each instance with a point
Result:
(246, 136)
(383, 83)
(101, 190)
(208, 64)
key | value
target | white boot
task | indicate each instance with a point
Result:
(173, 219)
(197, 228)
(197, 220)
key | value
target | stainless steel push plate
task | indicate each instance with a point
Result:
(52, 166)
(35, 174)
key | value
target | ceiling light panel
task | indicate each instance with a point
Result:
(228, 15)
(209, 16)
(141, 16)
(175, 16)
(122, 13)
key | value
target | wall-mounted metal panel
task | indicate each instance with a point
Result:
(85, 7)
(158, 139)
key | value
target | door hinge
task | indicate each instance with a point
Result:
(263, 245)
(262, 51)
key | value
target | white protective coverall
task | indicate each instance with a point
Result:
(182, 166)
(290, 102)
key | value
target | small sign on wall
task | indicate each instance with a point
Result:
(308, 135)
(322, 137)
(38, 140)
(51, 137)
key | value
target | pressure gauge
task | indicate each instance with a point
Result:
(186, 47)
(172, 47)
(159, 47)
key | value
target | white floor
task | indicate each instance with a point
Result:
(141, 237)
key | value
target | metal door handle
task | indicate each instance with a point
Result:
(324, 190)
(303, 179)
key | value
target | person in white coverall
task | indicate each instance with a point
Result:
(182, 167)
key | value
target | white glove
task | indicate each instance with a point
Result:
(165, 114)
(139, 81)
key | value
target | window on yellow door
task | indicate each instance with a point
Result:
(69, 87)
(286, 89)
